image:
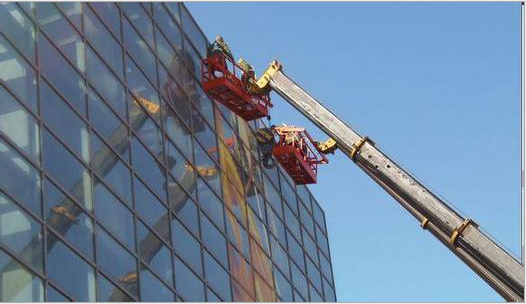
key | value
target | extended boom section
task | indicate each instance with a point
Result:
(462, 236)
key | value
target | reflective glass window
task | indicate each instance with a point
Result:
(283, 287)
(108, 166)
(61, 74)
(187, 284)
(114, 215)
(173, 8)
(19, 178)
(210, 203)
(310, 246)
(273, 197)
(18, 28)
(116, 262)
(103, 42)
(67, 219)
(193, 32)
(237, 234)
(186, 211)
(292, 222)
(140, 51)
(193, 62)
(325, 267)
(239, 294)
(168, 25)
(314, 274)
(108, 125)
(328, 291)
(241, 270)
(261, 262)
(67, 170)
(16, 73)
(217, 277)
(106, 83)
(54, 295)
(304, 195)
(299, 281)
(319, 216)
(110, 15)
(107, 292)
(276, 226)
(140, 19)
(69, 271)
(211, 296)
(148, 168)
(322, 241)
(264, 292)
(181, 169)
(19, 126)
(178, 133)
(280, 257)
(296, 252)
(17, 283)
(153, 251)
(314, 294)
(214, 240)
(148, 132)
(20, 233)
(142, 91)
(258, 230)
(152, 290)
(62, 120)
(73, 11)
(186, 246)
(61, 32)
(289, 196)
(151, 210)
(306, 219)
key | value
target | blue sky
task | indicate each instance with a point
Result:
(437, 86)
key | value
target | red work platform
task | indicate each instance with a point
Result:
(297, 154)
(220, 81)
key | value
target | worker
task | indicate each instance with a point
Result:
(248, 78)
(220, 46)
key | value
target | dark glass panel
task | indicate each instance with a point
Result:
(192, 30)
(296, 251)
(115, 261)
(214, 240)
(279, 256)
(151, 210)
(69, 271)
(186, 246)
(153, 251)
(152, 290)
(20, 233)
(19, 285)
(109, 13)
(139, 19)
(61, 74)
(283, 287)
(306, 219)
(139, 51)
(67, 219)
(187, 284)
(18, 125)
(237, 234)
(114, 215)
(107, 292)
(310, 247)
(168, 25)
(241, 271)
(314, 274)
(217, 277)
(292, 222)
(17, 75)
(18, 28)
(299, 281)
(210, 203)
(19, 178)
(63, 121)
(148, 168)
(54, 295)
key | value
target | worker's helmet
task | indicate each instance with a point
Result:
(219, 38)
(245, 66)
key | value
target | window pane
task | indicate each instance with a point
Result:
(149, 133)
(67, 170)
(261, 262)
(237, 234)
(141, 89)
(306, 219)
(186, 246)
(279, 256)
(210, 203)
(328, 291)
(314, 274)
(73, 10)
(283, 287)
(292, 222)
(187, 212)
(19, 178)
(276, 226)
(326, 267)
(18, 125)
(115, 261)
(296, 252)
(241, 270)
(107, 292)
(152, 290)
(258, 230)
(66, 218)
(18, 28)
(217, 277)
(109, 13)
(214, 240)
(193, 32)
(155, 253)
(61, 32)
(106, 83)
(114, 215)
(103, 42)
(151, 210)
(17, 283)
(188, 285)
(139, 19)
(140, 51)
(299, 281)
(148, 168)
(78, 281)
(310, 247)
(168, 26)
(64, 121)
(178, 132)
(54, 295)
(20, 233)
(61, 74)
(17, 74)
(113, 171)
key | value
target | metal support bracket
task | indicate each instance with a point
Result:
(458, 231)
(424, 223)
(264, 80)
(357, 146)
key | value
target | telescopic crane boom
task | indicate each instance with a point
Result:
(462, 236)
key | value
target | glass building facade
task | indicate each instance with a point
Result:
(120, 180)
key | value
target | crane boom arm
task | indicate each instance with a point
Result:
(462, 236)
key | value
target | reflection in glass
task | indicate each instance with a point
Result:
(299, 281)
(188, 285)
(20, 233)
(66, 218)
(314, 274)
(70, 272)
(64, 121)
(168, 25)
(214, 240)
(148, 168)
(17, 283)
(296, 251)
(107, 292)
(154, 252)
(283, 287)
(18, 28)
(241, 271)
(217, 277)
(152, 290)
(54, 295)
(115, 261)
(151, 210)
(17, 74)
(186, 246)
(67, 170)
(109, 13)
(140, 51)
(210, 203)
(20, 127)
(114, 215)
(139, 19)
(19, 178)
